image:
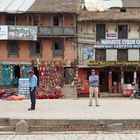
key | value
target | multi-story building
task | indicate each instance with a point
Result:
(39, 29)
(109, 41)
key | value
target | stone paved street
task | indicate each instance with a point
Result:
(110, 108)
(74, 136)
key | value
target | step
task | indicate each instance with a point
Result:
(75, 125)
(4, 121)
(84, 125)
(5, 128)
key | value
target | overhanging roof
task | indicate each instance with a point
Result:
(15, 6)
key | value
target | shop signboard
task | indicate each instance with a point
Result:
(86, 38)
(22, 32)
(3, 32)
(92, 63)
(88, 54)
(23, 87)
(120, 41)
(119, 44)
(111, 35)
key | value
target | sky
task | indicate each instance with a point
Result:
(101, 5)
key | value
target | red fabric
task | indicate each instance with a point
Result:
(21, 97)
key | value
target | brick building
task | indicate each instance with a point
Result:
(46, 31)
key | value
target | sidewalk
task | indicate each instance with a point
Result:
(74, 136)
(73, 109)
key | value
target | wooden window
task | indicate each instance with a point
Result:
(13, 50)
(57, 21)
(122, 55)
(100, 31)
(10, 20)
(58, 49)
(122, 31)
(100, 55)
(35, 49)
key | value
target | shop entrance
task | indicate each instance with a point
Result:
(116, 77)
(17, 71)
(103, 81)
(68, 75)
(116, 82)
(17, 75)
(128, 77)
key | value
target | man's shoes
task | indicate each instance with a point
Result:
(30, 109)
(90, 105)
(97, 105)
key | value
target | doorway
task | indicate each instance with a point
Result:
(17, 71)
(68, 75)
(16, 75)
(103, 81)
(128, 77)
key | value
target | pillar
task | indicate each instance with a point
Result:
(110, 81)
(135, 77)
(122, 79)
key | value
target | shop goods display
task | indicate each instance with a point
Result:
(14, 97)
(7, 74)
(23, 70)
(50, 79)
(23, 87)
(4, 93)
(83, 87)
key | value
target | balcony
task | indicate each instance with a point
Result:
(56, 31)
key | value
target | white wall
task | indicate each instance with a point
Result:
(133, 31)
(111, 54)
(133, 55)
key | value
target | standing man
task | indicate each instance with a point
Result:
(94, 83)
(33, 86)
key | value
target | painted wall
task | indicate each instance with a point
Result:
(45, 20)
(70, 50)
(133, 31)
(1, 20)
(133, 55)
(111, 55)
(21, 20)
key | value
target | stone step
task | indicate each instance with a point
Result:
(4, 121)
(73, 125)
(5, 128)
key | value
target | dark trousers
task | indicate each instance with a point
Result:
(33, 99)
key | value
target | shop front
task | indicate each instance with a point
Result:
(11, 72)
(53, 75)
(114, 76)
